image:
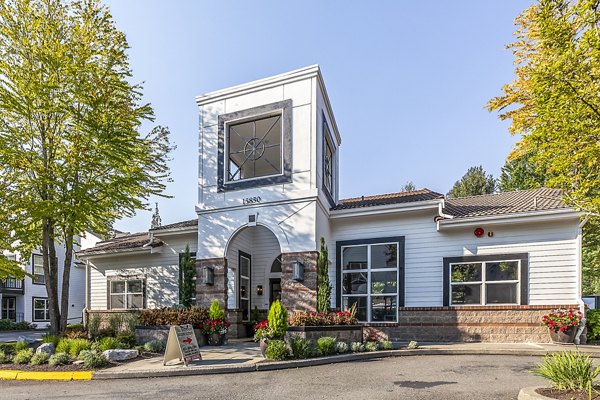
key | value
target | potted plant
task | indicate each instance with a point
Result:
(562, 324)
(216, 326)
(274, 327)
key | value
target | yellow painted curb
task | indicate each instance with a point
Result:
(7, 374)
(83, 375)
(46, 375)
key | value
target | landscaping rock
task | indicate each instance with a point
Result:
(26, 339)
(120, 354)
(47, 348)
(78, 362)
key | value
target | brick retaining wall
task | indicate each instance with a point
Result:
(508, 324)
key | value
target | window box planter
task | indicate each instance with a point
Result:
(145, 333)
(343, 333)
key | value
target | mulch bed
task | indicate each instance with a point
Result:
(567, 395)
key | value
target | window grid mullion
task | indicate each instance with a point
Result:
(483, 299)
(369, 266)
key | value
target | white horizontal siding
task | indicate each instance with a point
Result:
(552, 250)
(161, 271)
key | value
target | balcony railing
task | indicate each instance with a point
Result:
(12, 285)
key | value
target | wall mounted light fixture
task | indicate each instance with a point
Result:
(208, 275)
(298, 270)
(259, 290)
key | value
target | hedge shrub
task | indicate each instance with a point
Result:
(277, 350)
(173, 316)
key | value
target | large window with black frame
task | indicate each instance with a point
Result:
(254, 148)
(370, 281)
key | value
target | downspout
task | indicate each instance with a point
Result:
(87, 291)
(580, 279)
(441, 214)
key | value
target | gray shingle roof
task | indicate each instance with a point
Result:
(541, 199)
(131, 241)
(182, 224)
(386, 199)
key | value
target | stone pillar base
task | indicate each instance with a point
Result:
(205, 294)
(299, 296)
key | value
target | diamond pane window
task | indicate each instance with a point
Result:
(254, 148)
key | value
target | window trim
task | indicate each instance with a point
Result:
(328, 141)
(46, 310)
(33, 256)
(243, 254)
(284, 108)
(126, 280)
(523, 293)
(401, 294)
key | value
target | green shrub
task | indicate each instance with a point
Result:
(49, 338)
(277, 350)
(386, 345)
(155, 346)
(8, 348)
(127, 339)
(215, 311)
(413, 345)
(300, 347)
(23, 356)
(21, 346)
(371, 346)
(593, 324)
(73, 346)
(39, 358)
(357, 347)
(278, 319)
(93, 359)
(109, 343)
(115, 324)
(326, 345)
(75, 327)
(341, 347)
(59, 359)
(313, 350)
(5, 358)
(568, 370)
(8, 325)
(93, 325)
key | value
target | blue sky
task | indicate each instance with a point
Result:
(408, 81)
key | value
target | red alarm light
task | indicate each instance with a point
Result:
(478, 232)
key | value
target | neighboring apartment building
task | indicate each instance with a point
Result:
(415, 265)
(27, 299)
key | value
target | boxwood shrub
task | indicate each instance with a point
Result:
(277, 350)
(326, 345)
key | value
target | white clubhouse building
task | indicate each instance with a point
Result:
(417, 265)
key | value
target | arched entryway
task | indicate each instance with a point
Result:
(251, 254)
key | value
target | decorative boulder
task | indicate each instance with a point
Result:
(26, 339)
(120, 354)
(47, 348)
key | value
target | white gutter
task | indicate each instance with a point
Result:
(385, 209)
(110, 253)
(531, 216)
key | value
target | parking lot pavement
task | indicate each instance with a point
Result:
(413, 377)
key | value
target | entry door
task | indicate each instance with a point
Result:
(274, 290)
(245, 261)
(9, 308)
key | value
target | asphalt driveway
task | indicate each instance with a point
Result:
(414, 377)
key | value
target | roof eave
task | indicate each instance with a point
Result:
(385, 209)
(530, 216)
(175, 231)
(136, 250)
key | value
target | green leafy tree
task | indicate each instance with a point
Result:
(71, 155)
(323, 285)
(188, 285)
(520, 174)
(475, 182)
(408, 187)
(553, 103)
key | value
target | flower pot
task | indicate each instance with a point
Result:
(216, 339)
(263, 347)
(565, 337)
(200, 337)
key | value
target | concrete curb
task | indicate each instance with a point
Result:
(18, 375)
(529, 393)
(276, 365)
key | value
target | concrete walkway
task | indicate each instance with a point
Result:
(13, 336)
(245, 357)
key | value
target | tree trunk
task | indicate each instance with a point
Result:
(64, 301)
(51, 274)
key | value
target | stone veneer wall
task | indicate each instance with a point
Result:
(500, 324)
(205, 294)
(344, 333)
(299, 296)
